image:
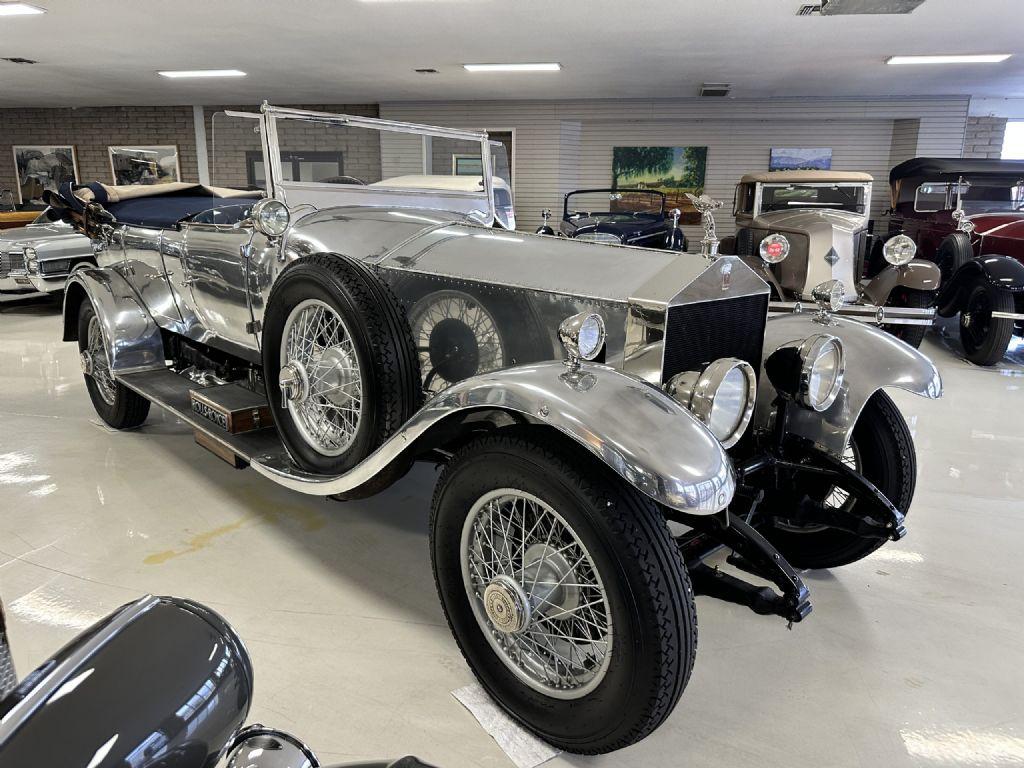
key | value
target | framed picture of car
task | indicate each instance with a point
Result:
(41, 168)
(144, 165)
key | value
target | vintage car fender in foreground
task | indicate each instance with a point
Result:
(161, 682)
(578, 396)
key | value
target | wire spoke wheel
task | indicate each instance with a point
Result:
(536, 593)
(835, 497)
(97, 365)
(325, 390)
(456, 337)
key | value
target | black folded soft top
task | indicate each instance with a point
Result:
(951, 168)
(160, 205)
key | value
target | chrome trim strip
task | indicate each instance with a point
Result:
(46, 687)
(867, 313)
(645, 436)
(1009, 315)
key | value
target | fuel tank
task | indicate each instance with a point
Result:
(160, 682)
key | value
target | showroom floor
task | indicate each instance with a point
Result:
(911, 657)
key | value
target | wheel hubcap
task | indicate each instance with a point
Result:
(536, 594)
(86, 361)
(93, 360)
(320, 378)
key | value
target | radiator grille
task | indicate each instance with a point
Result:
(11, 262)
(696, 334)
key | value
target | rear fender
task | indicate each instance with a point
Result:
(874, 359)
(1002, 272)
(131, 336)
(917, 274)
(643, 435)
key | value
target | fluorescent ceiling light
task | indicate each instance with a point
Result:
(981, 58)
(19, 9)
(201, 73)
(553, 67)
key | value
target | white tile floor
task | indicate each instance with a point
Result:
(914, 656)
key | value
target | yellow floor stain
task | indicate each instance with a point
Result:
(309, 519)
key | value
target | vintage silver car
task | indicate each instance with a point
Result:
(798, 229)
(40, 256)
(579, 396)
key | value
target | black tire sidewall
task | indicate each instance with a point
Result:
(572, 724)
(300, 283)
(129, 409)
(1000, 330)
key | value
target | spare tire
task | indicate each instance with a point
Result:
(954, 251)
(340, 367)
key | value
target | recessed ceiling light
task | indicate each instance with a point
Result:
(20, 9)
(201, 73)
(552, 67)
(982, 58)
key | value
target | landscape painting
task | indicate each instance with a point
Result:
(42, 168)
(673, 171)
(800, 159)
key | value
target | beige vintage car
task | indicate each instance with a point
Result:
(807, 232)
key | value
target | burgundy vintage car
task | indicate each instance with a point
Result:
(967, 215)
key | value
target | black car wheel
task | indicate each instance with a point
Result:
(117, 405)
(563, 588)
(908, 297)
(339, 364)
(954, 251)
(882, 450)
(984, 337)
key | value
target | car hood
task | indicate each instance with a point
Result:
(1010, 225)
(32, 237)
(811, 219)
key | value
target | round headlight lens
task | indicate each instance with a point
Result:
(823, 367)
(774, 248)
(899, 250)
(722, 396)
(271, 217)
(591, 337)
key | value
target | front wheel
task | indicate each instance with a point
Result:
(564, 589)
(117, 405)
(984, 337)
(882, 450)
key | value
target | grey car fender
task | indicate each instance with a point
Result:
(874, 360)
(642, 434)
(918, 274)
(132, 338)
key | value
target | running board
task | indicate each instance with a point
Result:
(173, 393)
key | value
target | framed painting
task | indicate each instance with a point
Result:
(144, 165)
(800, 159)
(42, 167)
(674, 171)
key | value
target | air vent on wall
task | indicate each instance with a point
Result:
(425, 71)
(715, 89)
(18, 60)
(858, 7)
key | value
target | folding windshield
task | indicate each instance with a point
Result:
(614, 205)
(982, 196)
(838, 197)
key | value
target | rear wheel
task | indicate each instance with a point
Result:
(985, 338)
(954, 251)
(564, 589)
(117, 405)
(882, 450)
(908, 297)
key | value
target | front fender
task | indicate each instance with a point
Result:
(132, 338)
(642, 434)
(874, 359)
(917, 274)
(1003, 272)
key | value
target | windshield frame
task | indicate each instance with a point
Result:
(761, 186)
(955, 198)
(611, 191)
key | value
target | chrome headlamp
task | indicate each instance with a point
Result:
(722, 396)
(899, 250)
(583, 337)
(774, 248)
(810, 372)
(829, 295)
(600, 237)
(31, 261)
(271, 217)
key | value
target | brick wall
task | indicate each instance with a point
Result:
(91, 131)
(984, 137)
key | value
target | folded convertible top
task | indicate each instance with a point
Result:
(160, 205)
(108, 193)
